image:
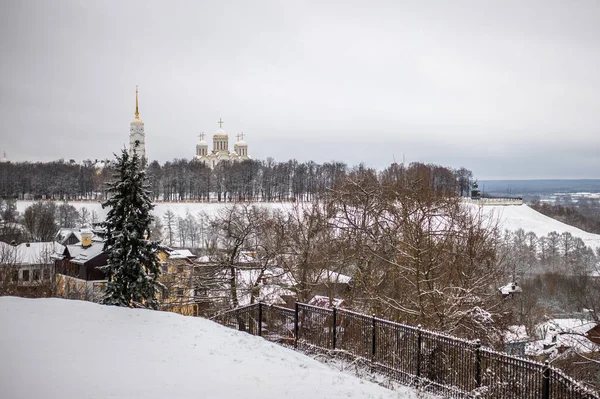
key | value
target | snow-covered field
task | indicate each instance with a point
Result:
(509, 217)
(523, 217)
(56, 348)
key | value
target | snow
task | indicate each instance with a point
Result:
(516, 333)
(509, 218)
(562, 333)
(56, 348)
(36, 253)
(513, 218)
(510, 288)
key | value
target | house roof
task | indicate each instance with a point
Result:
(323, 301)
(510, 288)
(89, 253)
(562, 333)
(180, 254)
(37, 253)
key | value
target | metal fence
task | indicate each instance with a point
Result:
(433, 361)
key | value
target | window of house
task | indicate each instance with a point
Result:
(36, 274)
(15, 276)
(25, 275)
(179, 291)
(164, 267)
(1, 274)
(46, 274)
(180, 269)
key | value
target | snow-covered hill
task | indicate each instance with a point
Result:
(509, 217)
(55, 348)
(523, 217)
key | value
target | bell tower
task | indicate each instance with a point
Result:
(137, 136)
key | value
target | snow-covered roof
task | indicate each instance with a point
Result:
(329, 276)
(516, 333)
(37, 253)
(324, 302)
(203, 259)
(247, 257)
(562, 333)
(510, 288)
(88, 253)
(181, 254)
(64, 233)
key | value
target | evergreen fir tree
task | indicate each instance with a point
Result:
(133, 264)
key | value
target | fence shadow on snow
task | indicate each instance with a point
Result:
(412, 356)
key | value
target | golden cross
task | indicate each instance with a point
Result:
(220, 123)
(201, 135)
(242, 135)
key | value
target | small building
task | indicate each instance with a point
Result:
(78, 270)
(515, 340)
(28, 268)
(510, 289)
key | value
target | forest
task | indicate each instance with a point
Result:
(191, 180)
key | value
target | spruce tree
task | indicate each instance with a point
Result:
(133, 264)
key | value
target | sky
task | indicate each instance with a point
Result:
(506, 89)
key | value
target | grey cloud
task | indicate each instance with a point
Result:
(500, 88)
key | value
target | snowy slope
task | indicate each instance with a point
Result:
(509, 217)
(54, 348)
(523, 217)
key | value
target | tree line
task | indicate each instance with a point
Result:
(583, 213)
(192, 180)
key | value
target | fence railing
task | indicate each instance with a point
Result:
(413, 356)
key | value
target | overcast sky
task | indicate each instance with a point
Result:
(506, 89)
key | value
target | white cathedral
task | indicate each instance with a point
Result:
(220, 150)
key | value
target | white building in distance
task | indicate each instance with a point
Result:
(220, 150)
(137, 137)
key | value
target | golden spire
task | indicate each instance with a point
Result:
(137, 113)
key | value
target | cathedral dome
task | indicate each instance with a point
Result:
(220, 133)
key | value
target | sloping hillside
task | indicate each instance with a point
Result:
(53, 348)
(523, 217)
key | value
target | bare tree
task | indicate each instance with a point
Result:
(169, 219)
(39, 219)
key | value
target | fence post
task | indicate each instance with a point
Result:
(478, 363)
(419, 339)
(260, 311)
(334, 338)
(546, 381)
(374, 339)
(296, 312)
